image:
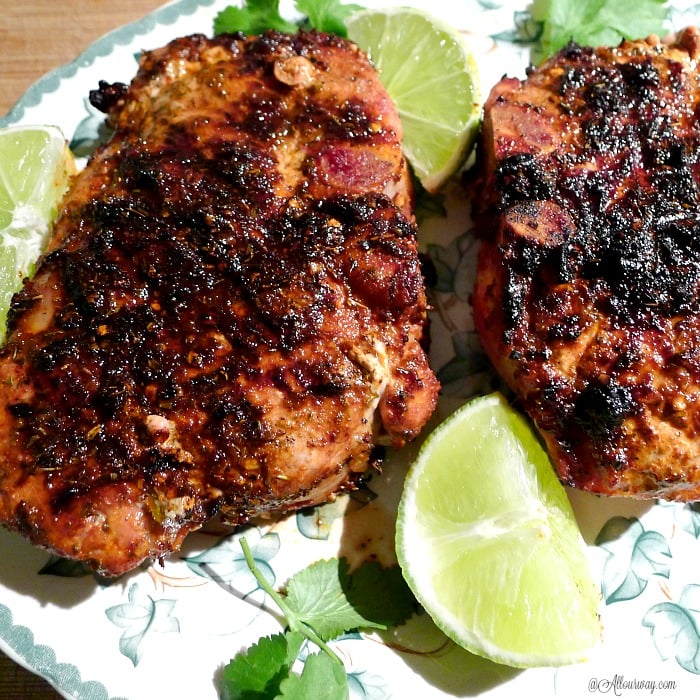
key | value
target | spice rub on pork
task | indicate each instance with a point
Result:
(587, 297)
(231, 314)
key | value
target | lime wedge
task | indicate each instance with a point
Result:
(35, 168)
(431, 74)
(489, 544)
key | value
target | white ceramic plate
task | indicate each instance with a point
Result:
(167, 630)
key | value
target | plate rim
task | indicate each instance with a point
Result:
(102, 47)
(18, 641)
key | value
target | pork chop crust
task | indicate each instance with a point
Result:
(587, 297)
(231, 315)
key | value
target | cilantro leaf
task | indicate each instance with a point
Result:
(380, 594)
(259, 671)
(264, 671)
(327, 15)
(316, 596)
(253, 18)
(321, 603)
(321, 679)
(596, 22)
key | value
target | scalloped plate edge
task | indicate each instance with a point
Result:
(51, 81)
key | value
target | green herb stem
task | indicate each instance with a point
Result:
(294, 622)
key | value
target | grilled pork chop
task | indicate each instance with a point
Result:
(587, 297)
(231, 313)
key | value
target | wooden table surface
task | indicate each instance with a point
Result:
(37, 36)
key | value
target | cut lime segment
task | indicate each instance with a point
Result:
(35, 168)
(489, 544)
(432, 76)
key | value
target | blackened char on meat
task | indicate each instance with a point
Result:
(230, 316)
(588, 291)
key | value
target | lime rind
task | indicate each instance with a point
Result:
(35, 169)
(489, 544)
(431, 74)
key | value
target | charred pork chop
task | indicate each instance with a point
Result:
(231, 313)
(588, 291)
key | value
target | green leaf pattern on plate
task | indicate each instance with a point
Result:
(688, 519)
(675, 628)
(634, 556)
(317, 523)
(142, 615)
(225, 563)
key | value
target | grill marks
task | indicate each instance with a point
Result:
(588, 290)
(231, 313)
(151, 320)
(626, 175)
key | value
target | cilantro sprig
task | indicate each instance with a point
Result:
(595, 22)
(255, 16)
(321, 603)
(326, 15)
